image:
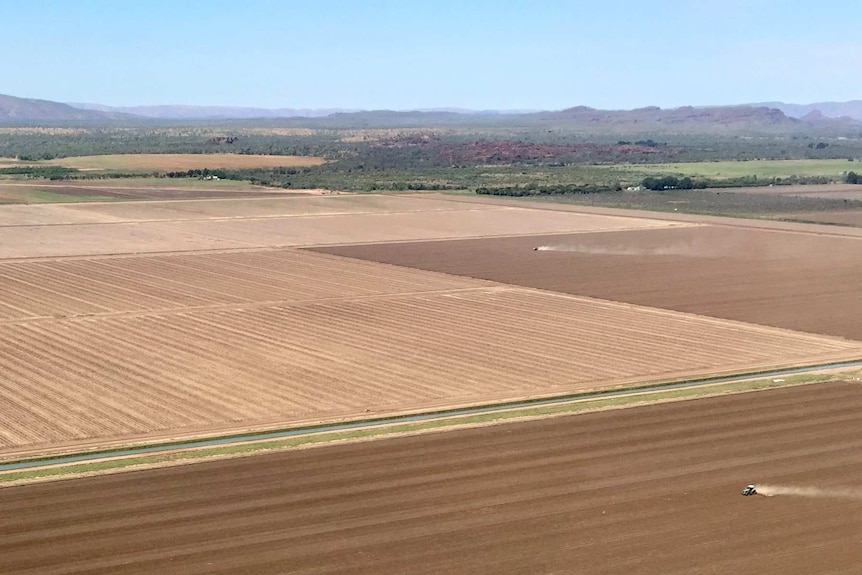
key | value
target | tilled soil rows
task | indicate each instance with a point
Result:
(71, 287)
(116, 376)
(99, 228)
(798, 281)
(646, 491)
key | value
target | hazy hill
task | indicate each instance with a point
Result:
(169, 112)
(684, 117)
(686, 114)
(650, 120)
(29, 111)
(852, 109)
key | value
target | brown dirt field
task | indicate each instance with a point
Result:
(844, 218)
(820, 229)
(839, 191)
(179, 162)
(310, 220)
(797, 281)
(97, 239)
(111, 285)
(113, 376)
(233, 208)
(296, 206)
(208, 208)
(646, 491)
(47, 193)
(166, 193)
(399, 226)
(47, 214)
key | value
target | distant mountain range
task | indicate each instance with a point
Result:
(852, 109)
(167, 112)
(770, 116)
(27, 111)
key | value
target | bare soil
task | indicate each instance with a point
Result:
(96, 350)
(835, 191)
(100, 228)
(743, 221)
(99, 348)
(844, 218)
(33, 193)
(798, 281)
(647, 491)
(183, 162)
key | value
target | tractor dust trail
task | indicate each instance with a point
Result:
(679, 249)
(818, 492)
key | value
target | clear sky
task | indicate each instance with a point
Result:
(407, 54)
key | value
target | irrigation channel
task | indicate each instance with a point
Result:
(400, 419)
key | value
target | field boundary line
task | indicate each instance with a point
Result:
(754, 327)
(658, 226)
(226, 440)
(286, 303)
(761, 224)
(250, 218)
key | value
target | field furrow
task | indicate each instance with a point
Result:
(71, 287)
(108, 377)
(102, 340)
(791, 279)
(646, 491)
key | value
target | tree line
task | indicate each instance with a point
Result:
(553, 190)
(687, 183)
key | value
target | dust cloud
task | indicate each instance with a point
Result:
(676, 249)
(818, 492)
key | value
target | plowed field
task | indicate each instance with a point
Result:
(798, 281)
(646, 491)
(837, 191)
(845, 218)
(182, 162)
(128, 375)
(103, 285)
(98, 228)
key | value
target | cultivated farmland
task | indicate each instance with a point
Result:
(140, 227)
(134, 189)
(735, 169)
(845, 218)
(99, 348)
(181, 162)
(646, 491)
(112, 376)
(109, 334)
(830, 191)
(797, 281)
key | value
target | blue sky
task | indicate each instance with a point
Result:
(409, 54)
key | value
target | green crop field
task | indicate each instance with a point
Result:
(737, 169)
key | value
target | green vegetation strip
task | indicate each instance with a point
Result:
(736, 169)
(576, 406)
(48, 196)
